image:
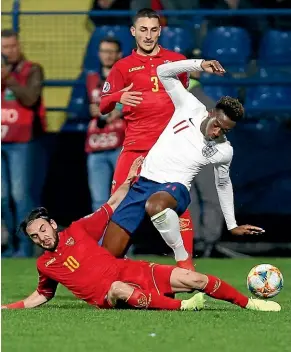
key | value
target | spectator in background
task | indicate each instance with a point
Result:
(105, 5)
(105, 133)
(205, 208)
(22, 121)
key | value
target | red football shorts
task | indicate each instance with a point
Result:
(124, 162)
(147, 276)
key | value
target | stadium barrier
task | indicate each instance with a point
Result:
(44, 24)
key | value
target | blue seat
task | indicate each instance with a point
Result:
(215, 87)
(78, 106)
(229, 45)
(275, 48)
(177, 39)
(269, 101)
(121, 33)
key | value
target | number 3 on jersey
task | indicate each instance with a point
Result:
(71, 263)
(155, 81)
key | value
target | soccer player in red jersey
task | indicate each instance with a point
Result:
(74, 259)
(133, 81)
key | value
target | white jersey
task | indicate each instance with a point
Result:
(182, 150)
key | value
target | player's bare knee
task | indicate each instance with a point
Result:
(157, 203)
(198, 280)
(116, 289)
(120, 290)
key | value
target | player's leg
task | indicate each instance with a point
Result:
(182, 280)
(123, 165)
(160, 207)
(116, 240)
(143, 299)
(99, 182)
(187, 231)
(125, 220)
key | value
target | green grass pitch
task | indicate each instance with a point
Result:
(68, 325)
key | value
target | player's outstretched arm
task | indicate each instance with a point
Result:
(122, 191)
(32, 301)
(168, 76)
(225, 195)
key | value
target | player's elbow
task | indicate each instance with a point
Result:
(160, 71)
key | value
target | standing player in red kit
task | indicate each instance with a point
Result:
(74, 259)
(133, 81)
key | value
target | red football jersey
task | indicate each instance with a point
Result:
(78, 262)
(145, 122)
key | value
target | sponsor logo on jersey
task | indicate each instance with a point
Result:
(184, 224)
(209, 150)
(106, 87)
(50, 262)
(70, 241)
(136, 68)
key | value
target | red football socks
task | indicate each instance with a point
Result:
(187, 231)
(152, 300)
(15, 305)
(220, 289)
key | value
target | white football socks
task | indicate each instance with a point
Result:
(167, 223)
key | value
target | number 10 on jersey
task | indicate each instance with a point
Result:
(71, 263)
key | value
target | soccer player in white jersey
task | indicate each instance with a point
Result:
(192, 139)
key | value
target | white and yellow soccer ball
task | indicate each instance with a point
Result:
(265, 281)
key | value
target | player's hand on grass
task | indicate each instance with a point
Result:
(134, 170)
(247, 230)
(213, 66)
(130, 98)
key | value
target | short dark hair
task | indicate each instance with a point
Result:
(36, 213)
(146, 12)
(113, 41)
(232, 108)
(8, 33)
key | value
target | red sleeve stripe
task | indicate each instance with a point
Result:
(181, 129)
(108, 210)
(178, 124)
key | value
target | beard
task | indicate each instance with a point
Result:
(54, 246)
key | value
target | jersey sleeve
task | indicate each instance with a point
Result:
(111, 92)
(168, 75)
(46, 286)
(95, 224)
(225, 190)
(185, 76)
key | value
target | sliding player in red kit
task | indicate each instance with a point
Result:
(74, 259)
(147, 109)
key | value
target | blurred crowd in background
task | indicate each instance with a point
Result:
(28, 154)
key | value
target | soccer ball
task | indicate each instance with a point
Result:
(265, 281)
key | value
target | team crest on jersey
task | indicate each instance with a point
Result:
(106, 87)
(209, 150)
(50, 262)
(70, 241)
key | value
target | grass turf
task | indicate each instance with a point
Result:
(66, 324)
